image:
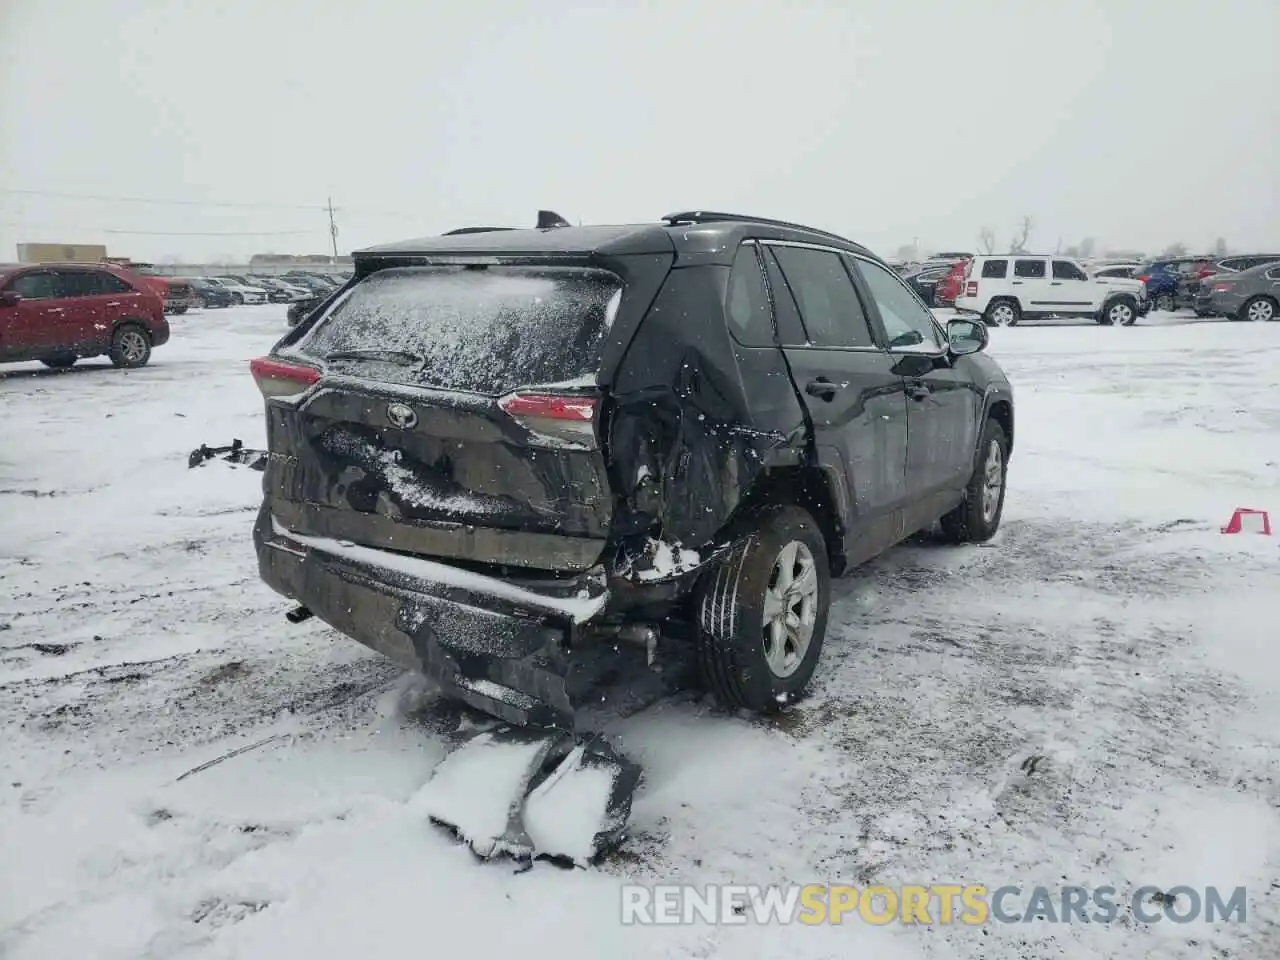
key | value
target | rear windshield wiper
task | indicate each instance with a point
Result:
(389, 356)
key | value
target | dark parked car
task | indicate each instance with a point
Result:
(208, 294)
(59, 312)
(1161, 278)
(1251, 294)
(924, 278)
(1196, 289)
(504, 451)
(300, 308)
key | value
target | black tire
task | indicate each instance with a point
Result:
(1121, 311)
(975, 521)
(180, 310)
(1165, 303)
(997, 315)
(1259, 309)
(731, 601)
(61, 362)
(130, 346)
(237, 299)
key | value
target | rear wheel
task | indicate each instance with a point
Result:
(237, 299)
(762, 612)
(978, 518)
(1003, 313)
(130, 346)
(60, 362)
(1259, 310)
(1165, 302)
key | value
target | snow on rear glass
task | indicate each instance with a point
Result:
(481, 330)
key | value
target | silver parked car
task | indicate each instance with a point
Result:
(1252, 294)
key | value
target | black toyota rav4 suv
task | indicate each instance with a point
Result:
(498, 450)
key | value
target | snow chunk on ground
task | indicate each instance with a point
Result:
(563, 815)
(477, 789)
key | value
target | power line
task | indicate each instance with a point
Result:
(234, 233)
(162, 202)
(217, 204)
(156, 233)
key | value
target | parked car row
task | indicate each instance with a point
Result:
(235, 289)
(1175, 283)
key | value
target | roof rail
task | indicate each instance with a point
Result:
(712, 216)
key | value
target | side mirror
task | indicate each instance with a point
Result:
(966, 336)
(9, 298)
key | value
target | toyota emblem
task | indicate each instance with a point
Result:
(401, 416)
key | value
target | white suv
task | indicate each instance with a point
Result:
(1009, 288)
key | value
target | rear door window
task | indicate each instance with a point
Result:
(1030, 269)
(995, 269)
(1066, 270)
(750, 319)
(829, 304)
(487, 330)
(110, 283)
(77, 283)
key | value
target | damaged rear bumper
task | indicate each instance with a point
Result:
(495, 645)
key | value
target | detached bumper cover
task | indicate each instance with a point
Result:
(492, 644)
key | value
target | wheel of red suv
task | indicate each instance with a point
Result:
(1259, 310)
(978, 517)
(1003, 313)
(60, 362)
(130, 346)
(1120, 312)
(762, 612)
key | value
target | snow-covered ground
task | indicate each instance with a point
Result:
(1110, 631)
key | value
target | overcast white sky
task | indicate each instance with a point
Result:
(1138, 123)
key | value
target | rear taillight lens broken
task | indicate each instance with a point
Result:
(277, 378)
(554, 418)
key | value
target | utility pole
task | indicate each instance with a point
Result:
(333, 231)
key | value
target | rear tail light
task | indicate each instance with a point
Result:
(971, 288)
(1222, 286)
(557, 419)
(277, 378)
(1144, 278)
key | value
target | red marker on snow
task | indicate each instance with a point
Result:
(1237, 521)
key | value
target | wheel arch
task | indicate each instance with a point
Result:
(998, 407)
(133, 321)
(812, 487)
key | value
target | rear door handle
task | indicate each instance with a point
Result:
(919, 391)
(823, 388)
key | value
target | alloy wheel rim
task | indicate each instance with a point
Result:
(992, 481)
(790, 609)
(132, 346)
(1003, 315)
(1120, 314)
(1261, 311)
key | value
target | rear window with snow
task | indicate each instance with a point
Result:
(483, 330)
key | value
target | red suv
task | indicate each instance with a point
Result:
(59, 312)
